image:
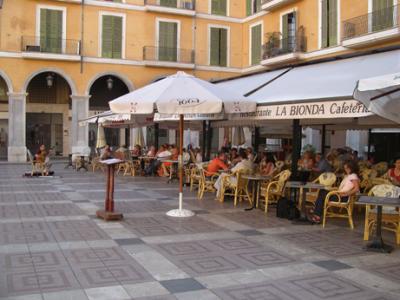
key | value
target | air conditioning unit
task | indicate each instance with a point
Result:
(32, 48)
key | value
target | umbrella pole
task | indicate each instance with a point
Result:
(181, 125)
(180, 212)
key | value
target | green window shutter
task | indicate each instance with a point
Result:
(219, 7)
(117, 37)
(167, 41)
(382, 14)
(256, 45)
(332, 15)
(258, 5)
(223, 51)
(249, 7)
(51, 30)
(106, 34)
(214, 46)
(169, 3)
(285, 32)
(324, 23)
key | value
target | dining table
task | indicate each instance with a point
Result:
(255, 180)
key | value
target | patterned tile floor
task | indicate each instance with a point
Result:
(53, 247)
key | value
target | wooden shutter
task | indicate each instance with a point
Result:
(167, 41)
(106, 34)
(256, 45)
(249, 7)
(382, 14)
(214, 46)
(169, 3)
(332, 16)
(117, 37)
(223, 51)
(43, 30)
(218, 7)
(51, 30)
(258, 6)
(285, 32)
(324, 23)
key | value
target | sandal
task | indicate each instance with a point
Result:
(315, 219)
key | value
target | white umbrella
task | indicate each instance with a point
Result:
(381, 95)
(182, 94)
(101, 137)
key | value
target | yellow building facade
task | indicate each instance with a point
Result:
(63, 60)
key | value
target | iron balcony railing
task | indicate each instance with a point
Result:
(181, 4)
(42, 44)
(277, 46)
(185, 56)
(375, 21)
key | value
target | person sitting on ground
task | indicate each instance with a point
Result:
(349, 186)
(322, 164)
(217, 164)
(244, 164)
(394, 173)
(267, 164)
(41, 154)
(106, 153)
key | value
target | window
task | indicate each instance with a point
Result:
(253, 7)
(255, 44)
(169, 3)
(218, 46)
(382, 14)
(112, 36)
(51, 30)
(219, 7)
(289, 32)
(329, 18)
(167, 41)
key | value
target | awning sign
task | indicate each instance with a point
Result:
(310, 110)
(188, 117)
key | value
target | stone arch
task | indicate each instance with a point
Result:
(120, 76)
(7, 81)
(58, 71)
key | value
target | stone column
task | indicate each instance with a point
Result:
(17, 127)
(80, 134)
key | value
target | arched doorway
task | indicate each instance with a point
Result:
(103, 90)
(47, 113)
(3, 118)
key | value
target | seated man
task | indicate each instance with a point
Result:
(217, 164)
(244, 164)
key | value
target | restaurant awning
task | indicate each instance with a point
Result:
(332, 80)
(244, 85)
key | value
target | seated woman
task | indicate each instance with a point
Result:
(267, 165)
(42, 157)
(349, 186)
(165, 168)
(136, 151)
(307, 161)
(394, 173)
(106, 153)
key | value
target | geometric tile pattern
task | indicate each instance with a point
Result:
(53, 247)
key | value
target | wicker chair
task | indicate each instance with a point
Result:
(206, 184)
(390, 215)
(381, 168)
(327, 179)
(338, 208)
(195, 176)
(236, 189)
(274, 189)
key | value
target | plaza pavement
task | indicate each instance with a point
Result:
(53, 247)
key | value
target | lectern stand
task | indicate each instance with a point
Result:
(108, 214)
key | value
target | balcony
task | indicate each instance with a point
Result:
(270, 5)
(376, 27)
(178, 7)
(168, 57)
(279, 50)
(36, 47)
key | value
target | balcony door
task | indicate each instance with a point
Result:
(51, 30)
(169, 3)
(382, 14)
(289, 32)
(167, 41)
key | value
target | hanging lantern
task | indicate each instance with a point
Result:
(49, 80)
(110, 83)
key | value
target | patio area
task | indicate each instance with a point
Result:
(53, 247)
